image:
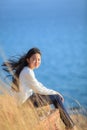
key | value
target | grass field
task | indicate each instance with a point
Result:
(26, 117)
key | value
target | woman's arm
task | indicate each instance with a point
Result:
(38, 87)
(54, 92)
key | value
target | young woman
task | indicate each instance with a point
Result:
(28, 87)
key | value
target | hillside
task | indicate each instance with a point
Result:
(27, 117)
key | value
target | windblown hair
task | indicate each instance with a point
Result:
(14, 67)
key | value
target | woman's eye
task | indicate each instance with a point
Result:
(39, 59)
(34, 60)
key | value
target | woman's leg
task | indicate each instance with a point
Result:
(63, 113)
(42, 100)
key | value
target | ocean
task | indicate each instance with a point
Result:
(59, 31)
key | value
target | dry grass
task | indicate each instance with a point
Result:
(26, 117)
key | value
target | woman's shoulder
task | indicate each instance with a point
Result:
(26, 70)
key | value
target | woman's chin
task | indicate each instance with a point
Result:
(36, 67)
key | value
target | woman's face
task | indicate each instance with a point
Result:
(34, 61)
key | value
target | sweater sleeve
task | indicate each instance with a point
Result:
(38, 87)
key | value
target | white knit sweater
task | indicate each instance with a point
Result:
(28, 85)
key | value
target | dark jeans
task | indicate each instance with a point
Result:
(42, 100)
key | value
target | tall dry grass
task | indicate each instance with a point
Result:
(26, 117)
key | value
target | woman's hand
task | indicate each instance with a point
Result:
(61, 97)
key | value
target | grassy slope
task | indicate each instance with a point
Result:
(27, 117)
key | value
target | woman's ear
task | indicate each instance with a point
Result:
(27, 60)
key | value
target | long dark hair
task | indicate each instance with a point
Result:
(14, 66)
